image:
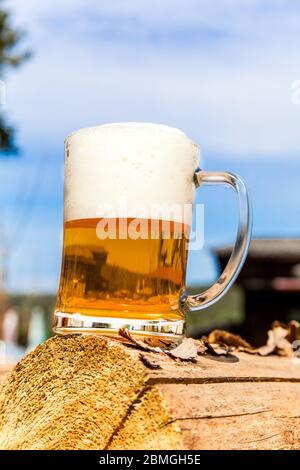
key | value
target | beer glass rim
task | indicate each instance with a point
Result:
(133, 125)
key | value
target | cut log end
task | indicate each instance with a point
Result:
(81, 392)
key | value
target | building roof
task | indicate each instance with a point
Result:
(264, 248)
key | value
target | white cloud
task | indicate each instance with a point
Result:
(232, 93)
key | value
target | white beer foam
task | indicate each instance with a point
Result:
(129, 170)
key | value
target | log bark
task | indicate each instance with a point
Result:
(89, 392)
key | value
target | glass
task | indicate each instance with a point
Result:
(129, 199)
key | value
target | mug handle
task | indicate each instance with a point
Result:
(240, 249)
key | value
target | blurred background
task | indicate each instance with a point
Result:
(224, 72)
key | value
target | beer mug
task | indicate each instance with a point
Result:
(129, 200)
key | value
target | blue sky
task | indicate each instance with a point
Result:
(221, 71)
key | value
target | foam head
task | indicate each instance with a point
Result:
(127, 169)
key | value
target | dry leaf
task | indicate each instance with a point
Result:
(155, 341)
(277, 341)
(217, 349)
(219, 352)
(137, 342)
(230, 339)
(282, 346)
(186, 351)
(294, 331)
(201, 347)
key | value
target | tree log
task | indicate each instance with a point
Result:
(89, 392)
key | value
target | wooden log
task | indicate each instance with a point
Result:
(89, 392)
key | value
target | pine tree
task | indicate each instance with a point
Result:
(10, 56)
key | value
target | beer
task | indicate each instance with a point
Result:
(124, 278)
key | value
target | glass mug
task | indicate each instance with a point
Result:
(129, 194)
